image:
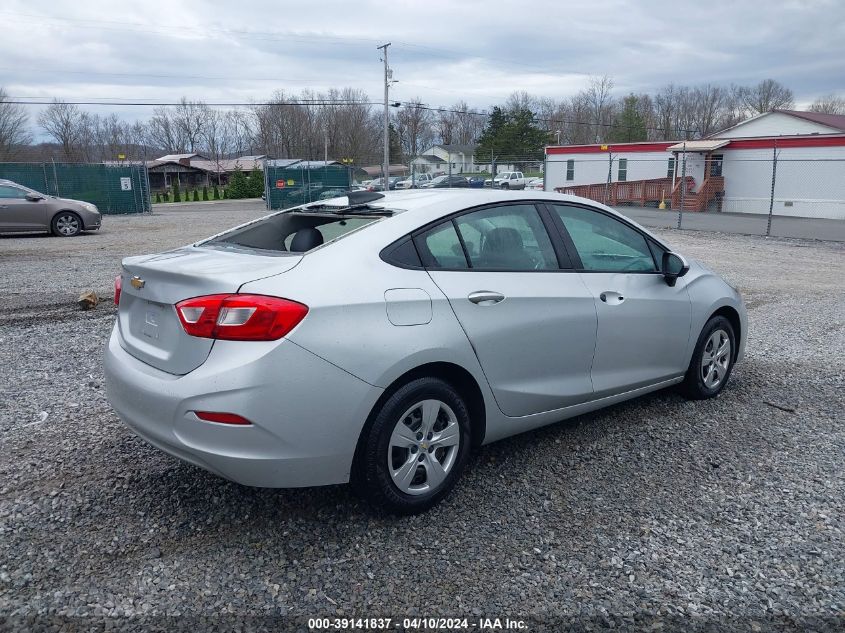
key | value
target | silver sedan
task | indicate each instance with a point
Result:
(377, 338)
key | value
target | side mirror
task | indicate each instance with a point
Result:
(673, 266)
(34, 197)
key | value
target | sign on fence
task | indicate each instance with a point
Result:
(126, 184)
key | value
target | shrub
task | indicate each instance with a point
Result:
(205, 193)
(196, 195)
(224, 194)
(215, 193)
(177, 195)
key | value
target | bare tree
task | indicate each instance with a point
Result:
(599, 101)
(413, 124)
(190, 118)
(828, 104)
(468, 124)
(766, 96)
(163, 133)
(13, 130)
(66, 125)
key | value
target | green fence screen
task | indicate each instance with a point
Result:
(292, 182)
(118, 188)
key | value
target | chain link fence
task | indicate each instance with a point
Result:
(763, 192)
(114, 188)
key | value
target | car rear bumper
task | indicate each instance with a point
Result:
(306, 413)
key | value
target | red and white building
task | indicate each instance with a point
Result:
(730, 171)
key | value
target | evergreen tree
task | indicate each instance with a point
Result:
(511, 137)
(238, 185)
(205, 193)
(628, 126)
(196, 197)
(215, 193)
(177, 195)
(255, 183)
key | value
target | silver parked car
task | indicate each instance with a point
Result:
(25, 210)
(377, 338)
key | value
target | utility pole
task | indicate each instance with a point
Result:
(386, 166)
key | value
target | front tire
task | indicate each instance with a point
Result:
(414, 450)
(712, 360)
(66, 224)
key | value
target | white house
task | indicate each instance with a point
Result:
(730, 171)
(439, 157)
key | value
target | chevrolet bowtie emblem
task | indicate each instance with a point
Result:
(137, 282)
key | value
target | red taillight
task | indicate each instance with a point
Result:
(118, 284)
(222, 418)
(240, 317)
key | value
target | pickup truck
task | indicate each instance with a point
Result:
(418, 180)
(508, 180)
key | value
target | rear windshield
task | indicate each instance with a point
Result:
(292, 232)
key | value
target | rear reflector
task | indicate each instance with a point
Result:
(118, 284)
(222, 418)
(240, 317)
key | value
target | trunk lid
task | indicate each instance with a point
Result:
(149, 327)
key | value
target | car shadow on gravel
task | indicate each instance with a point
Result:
(197, 492)
(44, 235)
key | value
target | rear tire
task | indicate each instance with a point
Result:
(66, 224)
(415, 448)
(712, 361)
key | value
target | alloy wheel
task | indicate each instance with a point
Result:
(423, 447)
(67, 224)
(715, 359)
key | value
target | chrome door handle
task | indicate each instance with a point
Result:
(485, 297)
(611, 298)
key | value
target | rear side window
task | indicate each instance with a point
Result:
(443, 247)
(403, 255)
(293, 232)
(510, 237)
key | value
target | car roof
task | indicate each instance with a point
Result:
(419, 206)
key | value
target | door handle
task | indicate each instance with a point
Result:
(485, 297)
(611, 298)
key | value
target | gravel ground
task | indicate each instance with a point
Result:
(643, 514)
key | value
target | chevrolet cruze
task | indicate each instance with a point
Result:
(377, 338)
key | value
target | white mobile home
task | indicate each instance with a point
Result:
(730, 171)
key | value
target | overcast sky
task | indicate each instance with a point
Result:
(442, 51)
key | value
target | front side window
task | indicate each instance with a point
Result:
(670, 168)
(11, 192)
(570, 169)
(604, 243)
(623, 170)
(510, 237)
